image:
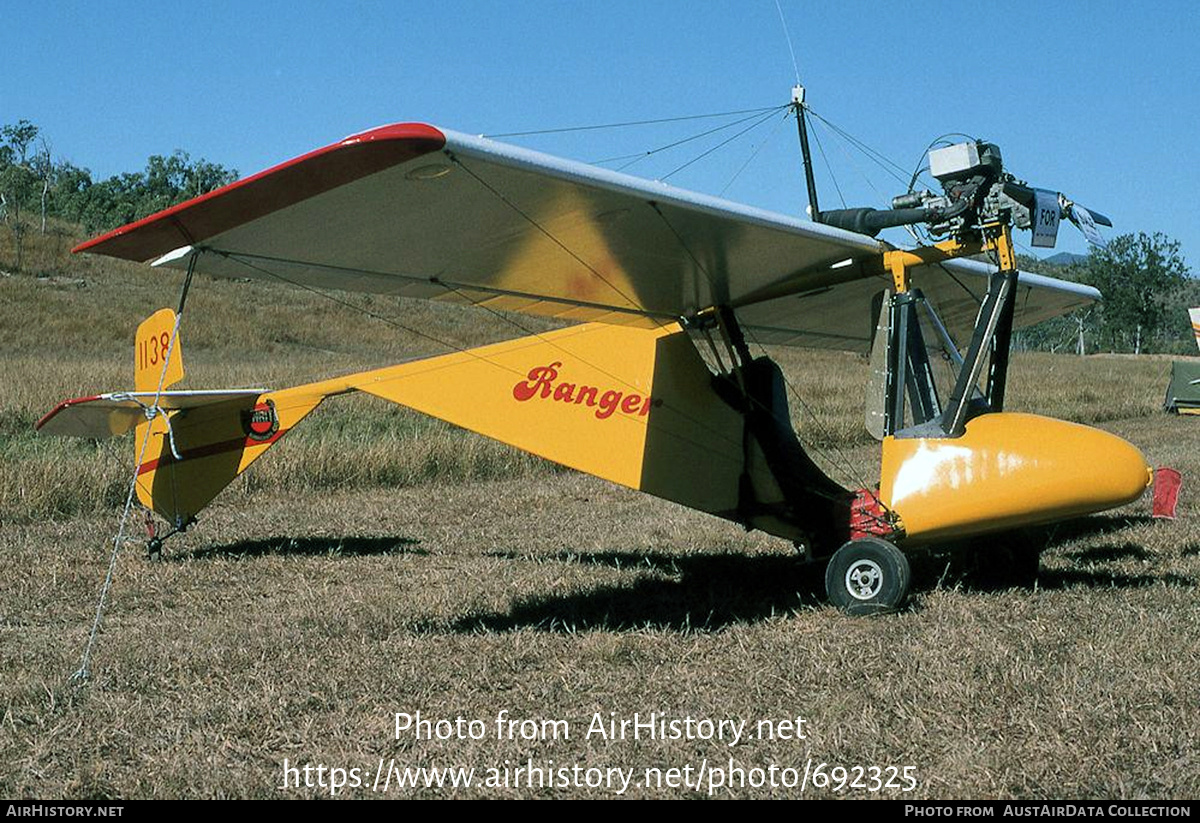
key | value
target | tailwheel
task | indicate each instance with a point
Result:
(153, 541)
(867, 576)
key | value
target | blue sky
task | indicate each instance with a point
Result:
(1098, 99)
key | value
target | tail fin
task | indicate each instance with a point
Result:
(1195, 316)
(157, 356)
(191, 445)
(194, 453)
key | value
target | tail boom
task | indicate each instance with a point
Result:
(634, 406)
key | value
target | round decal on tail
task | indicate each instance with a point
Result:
(261, 422)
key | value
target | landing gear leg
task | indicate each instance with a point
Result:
(154, 543)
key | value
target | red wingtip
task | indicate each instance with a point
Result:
(64, 404)
(278, 187)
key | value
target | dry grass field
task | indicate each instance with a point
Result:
(379, 564)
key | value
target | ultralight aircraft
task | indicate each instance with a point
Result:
(655, 386)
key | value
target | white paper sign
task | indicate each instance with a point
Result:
(1045, 219)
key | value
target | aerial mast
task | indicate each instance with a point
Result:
(814, 211)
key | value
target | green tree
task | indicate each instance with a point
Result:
(70, 191)
(1140, 276)
(171, 180)
(18, 178)
(1074, 332)
(31, 179)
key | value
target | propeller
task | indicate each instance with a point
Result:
(976, 191)
(1041, 210)
(1084, 220)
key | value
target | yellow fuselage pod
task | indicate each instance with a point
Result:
(1007, 470)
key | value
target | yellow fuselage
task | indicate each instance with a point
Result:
(1007, 470)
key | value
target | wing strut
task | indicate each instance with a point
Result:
(814, 507)
(993, 333)
(991, 341)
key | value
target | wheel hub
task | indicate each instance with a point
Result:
(864, 579)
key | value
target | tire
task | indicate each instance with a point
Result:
(867, 576)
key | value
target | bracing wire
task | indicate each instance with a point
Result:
(882, 198)
(83, 673)
(841, 461)
(829, 168)
(549, 236)
(374, 315)
(563, 130)
(978, 300)
(887, 164)
(844, 463)
(753, 155)
(638, 156)
(472, 352)
(722, 144)
(839, 458)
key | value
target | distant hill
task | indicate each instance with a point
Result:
(1065, 258)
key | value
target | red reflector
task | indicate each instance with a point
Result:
(1166, 492)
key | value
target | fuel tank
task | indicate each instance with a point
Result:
(1008, 470)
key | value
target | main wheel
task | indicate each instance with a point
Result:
(867, 576)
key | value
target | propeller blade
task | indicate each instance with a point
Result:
(1086, 221)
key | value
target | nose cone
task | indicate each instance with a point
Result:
(1007, 470)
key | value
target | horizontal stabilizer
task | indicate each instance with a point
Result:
(115, 413)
